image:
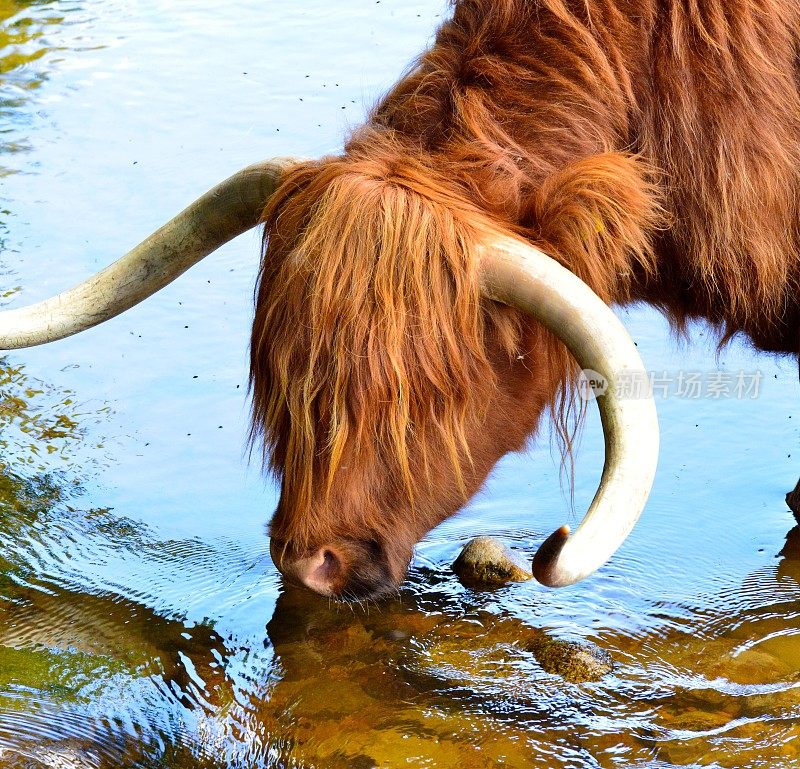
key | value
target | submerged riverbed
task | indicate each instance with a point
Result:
(142, 623)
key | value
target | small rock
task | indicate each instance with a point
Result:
(485, 562)
(576, 662)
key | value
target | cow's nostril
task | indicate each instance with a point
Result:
(320, 571)
(330, 561)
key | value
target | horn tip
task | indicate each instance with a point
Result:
(544, 566)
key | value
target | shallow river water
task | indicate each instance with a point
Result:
(142, 623)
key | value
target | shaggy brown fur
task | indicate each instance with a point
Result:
(651, 146)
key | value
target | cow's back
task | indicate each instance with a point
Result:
(516, 97)
(721, 117)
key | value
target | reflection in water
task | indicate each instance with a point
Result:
(98, 680)
(86, 674)
(462, 691)
(24, 27)
(24, 43)
(726, 688)
(93, 673)
(399, 683)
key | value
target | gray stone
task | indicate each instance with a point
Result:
(485, 562)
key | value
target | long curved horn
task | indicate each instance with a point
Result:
(519, 275)
(229, 209)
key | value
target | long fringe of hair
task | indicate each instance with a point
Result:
(380, 264)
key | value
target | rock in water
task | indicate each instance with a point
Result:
(485, 562)
(576, 662)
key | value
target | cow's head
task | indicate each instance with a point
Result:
(385, 389)
(396, 355)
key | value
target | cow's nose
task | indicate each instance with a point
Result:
(318, 572)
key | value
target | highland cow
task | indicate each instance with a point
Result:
(650, 148)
